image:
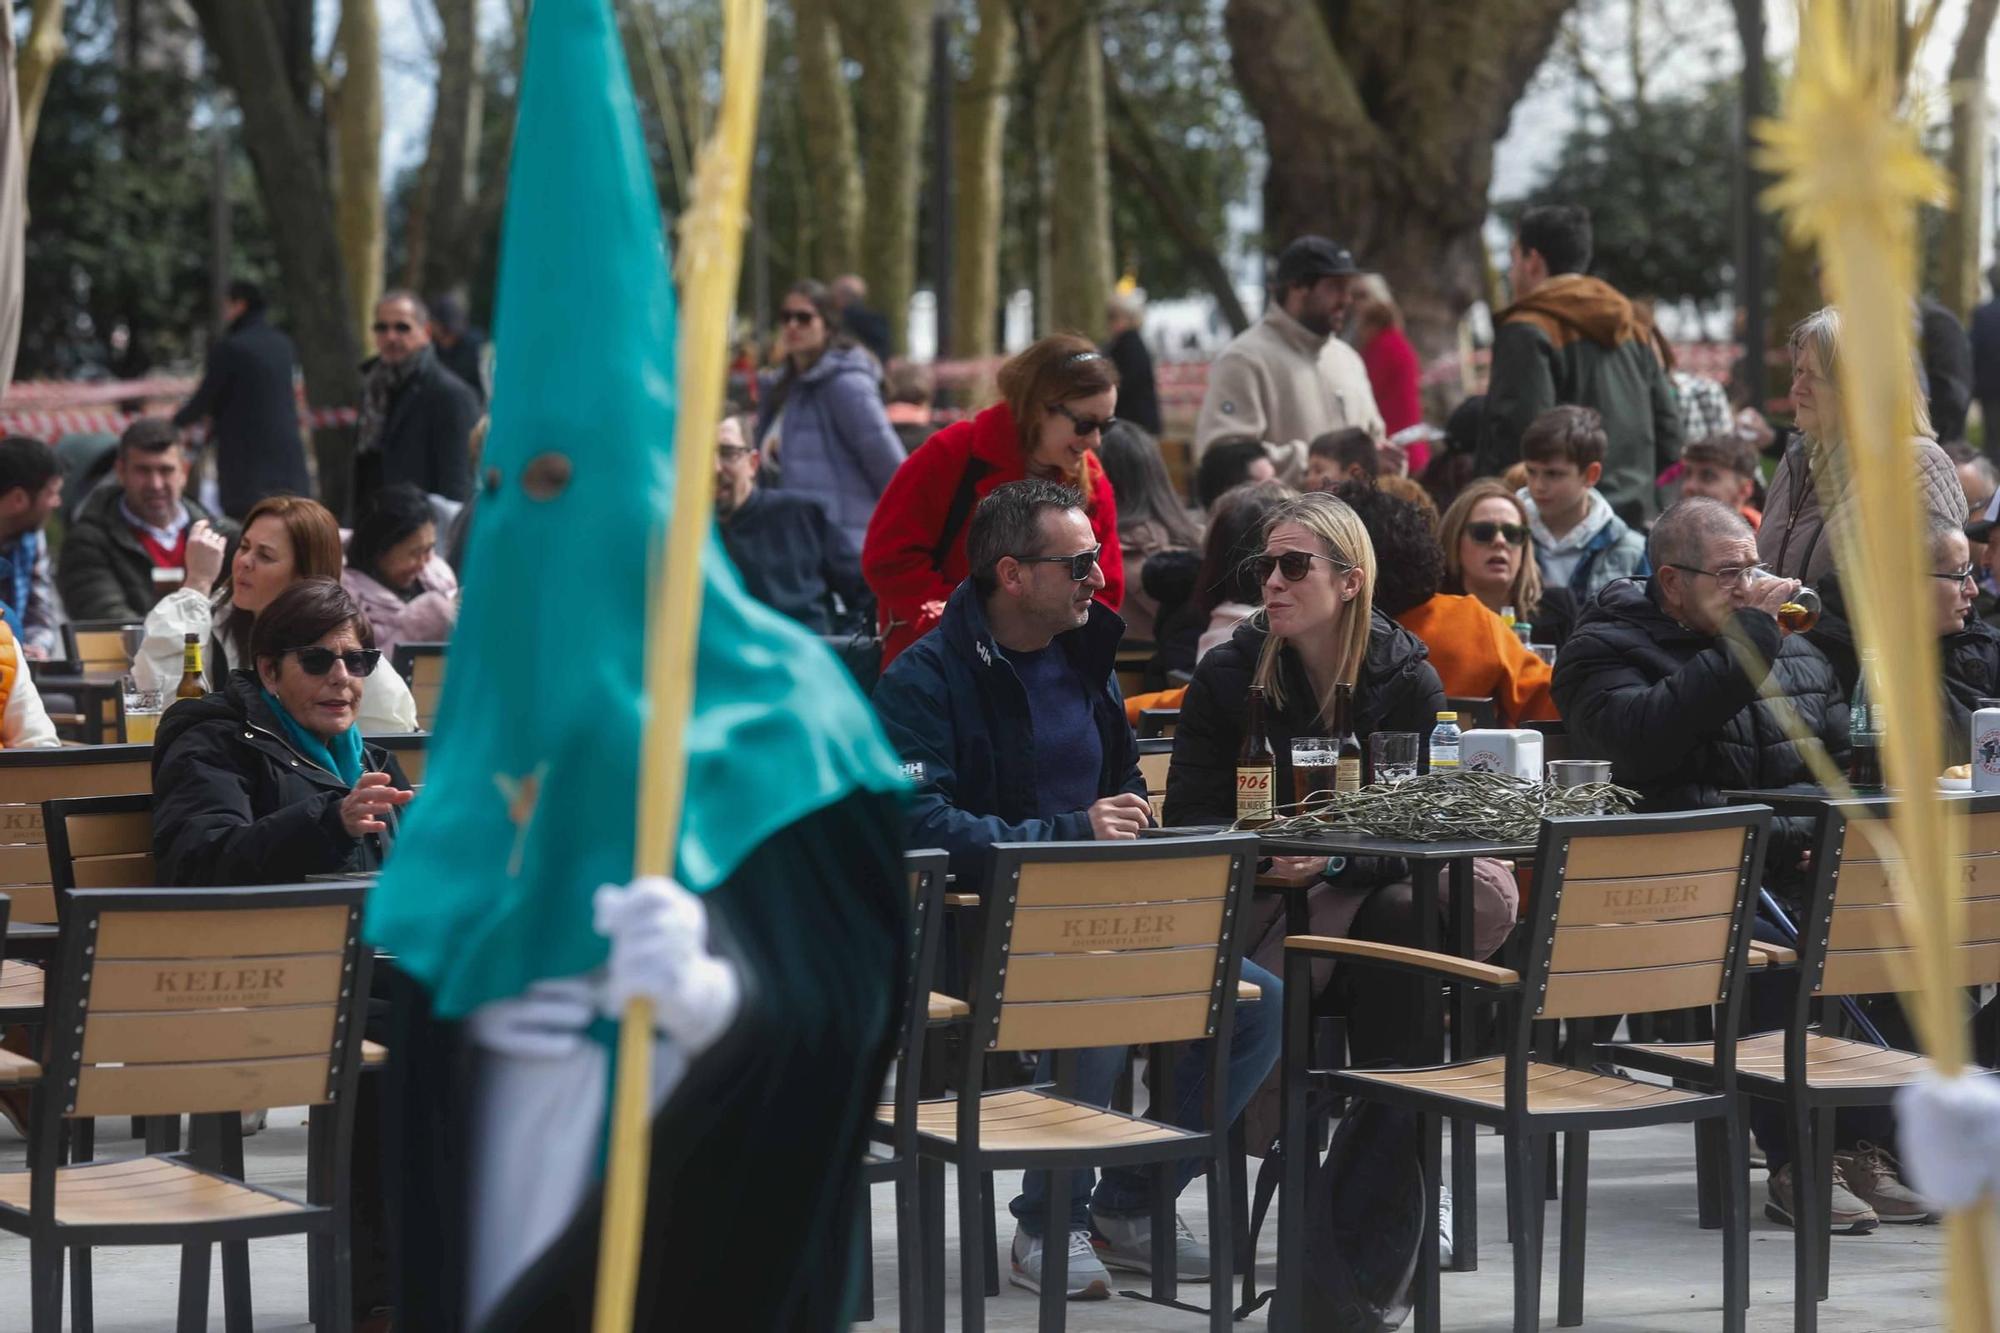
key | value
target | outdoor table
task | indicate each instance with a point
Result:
(1429, 862)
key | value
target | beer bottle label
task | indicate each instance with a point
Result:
(1253, 793)
(1347, 777)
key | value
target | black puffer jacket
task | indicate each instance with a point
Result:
(1398, 690)
(1678, 713)
(234, 803)
(1970, 658)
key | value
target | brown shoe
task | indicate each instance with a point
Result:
(1871, 1174)
(1849, 1215)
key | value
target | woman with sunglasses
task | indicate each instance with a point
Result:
(1319, 629)
(285, 538)
(267, 780)
(821, 425)
(1474, 653)
(1485, 539)
(1057, 398)
(406, 590)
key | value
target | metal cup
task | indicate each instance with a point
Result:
(1578, 772)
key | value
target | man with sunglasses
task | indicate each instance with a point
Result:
(246, 397)
(1009, 721)
(416, 416)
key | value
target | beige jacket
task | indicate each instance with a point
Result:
(1280, 383)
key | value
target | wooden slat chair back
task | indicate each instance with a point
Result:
(422, 665)
(1088, 944)
(100, 842)
(412, 751)
(1858, 947)
(30, 777)
(198, 1002)
(97, 647)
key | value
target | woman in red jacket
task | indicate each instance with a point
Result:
(1394, 372)
(1056, 399)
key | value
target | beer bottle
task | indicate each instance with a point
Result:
(191, 686)
(1347, 773)
(1256, 768)
(1864, 726)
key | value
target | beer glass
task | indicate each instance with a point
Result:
(1392, 756)
(142, 713)
(1801, 610)
(1315, 765)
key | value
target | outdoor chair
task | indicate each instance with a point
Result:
(1851, 943)
(1156, 756)
(1089, 944)
(422, 666)
(101, 647)
(196, 1002)
(895, 1128)
(1155, 723)
(412, 751)
(1630, 915)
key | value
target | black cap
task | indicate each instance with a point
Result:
(1312, 257)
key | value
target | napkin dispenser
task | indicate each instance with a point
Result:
(1497, 750)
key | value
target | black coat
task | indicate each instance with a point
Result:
(1678, 712)
(1555, 617)
(1398, 690)
(794, 558)
(234, 803)
(1970, 659)
(1947, 354)
(425, 438)
(104, 572)
(246, 394)
(1138, 395)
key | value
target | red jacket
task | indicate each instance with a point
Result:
(1397, 379)
(909, 522)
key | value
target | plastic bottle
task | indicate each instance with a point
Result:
(1444, 744)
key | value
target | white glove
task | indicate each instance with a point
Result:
(659, 949)
(1948, 1135)
(545, 1022)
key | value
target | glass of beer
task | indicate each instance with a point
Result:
(1392, 756)
(1315, 765)
(1800, 613)
(142, 713)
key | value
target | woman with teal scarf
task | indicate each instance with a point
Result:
(268, 780)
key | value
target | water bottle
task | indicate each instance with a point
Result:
(1444, 744)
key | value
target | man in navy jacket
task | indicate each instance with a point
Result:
(1009, 719)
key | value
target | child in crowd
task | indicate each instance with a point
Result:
(1723, 468)
(1341, 456)
(1580, 544)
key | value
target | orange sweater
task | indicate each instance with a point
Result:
(1478, 657)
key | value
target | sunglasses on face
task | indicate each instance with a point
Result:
(798, 317)
(1484, 533)
(1079, 564)
(1085, 426)
(1294, 565)
(319, 661)
(383, 326)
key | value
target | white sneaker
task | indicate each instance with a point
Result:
(1087, 1279)
(1127, 1243)
(1444, 1226)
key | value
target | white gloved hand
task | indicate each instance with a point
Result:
(1948, 1137)
(659, 949)
(545, 1022)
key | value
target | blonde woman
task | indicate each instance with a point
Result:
(1485, 539)
(1794, 540)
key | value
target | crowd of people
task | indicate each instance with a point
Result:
(1592, 542)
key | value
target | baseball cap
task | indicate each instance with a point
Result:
(1311, 257)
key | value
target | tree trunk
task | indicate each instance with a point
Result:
(981, 125)
(440, 248)
(828, 121)
(895, 75)
(1139, 160)
(45, 46)
(1380, 119)
(292, 183)
(1069, 82)
(357, 121)
(1958, 284)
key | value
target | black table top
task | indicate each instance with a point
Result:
(1816, 797)
(1334, 842)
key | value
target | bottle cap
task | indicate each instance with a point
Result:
(1447, 717)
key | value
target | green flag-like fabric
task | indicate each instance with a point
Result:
(531, 794)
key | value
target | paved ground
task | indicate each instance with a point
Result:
(1650, 1268)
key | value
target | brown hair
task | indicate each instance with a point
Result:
(1730, 451)
(316, 554)
(1525, 596)
(1057, 369)
(302, 615)
(1566, 434)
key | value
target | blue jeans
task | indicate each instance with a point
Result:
(1128, 1190)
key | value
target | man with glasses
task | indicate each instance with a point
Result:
(246, 396)
(416, 416)
(1010, 723)
(793, 557)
